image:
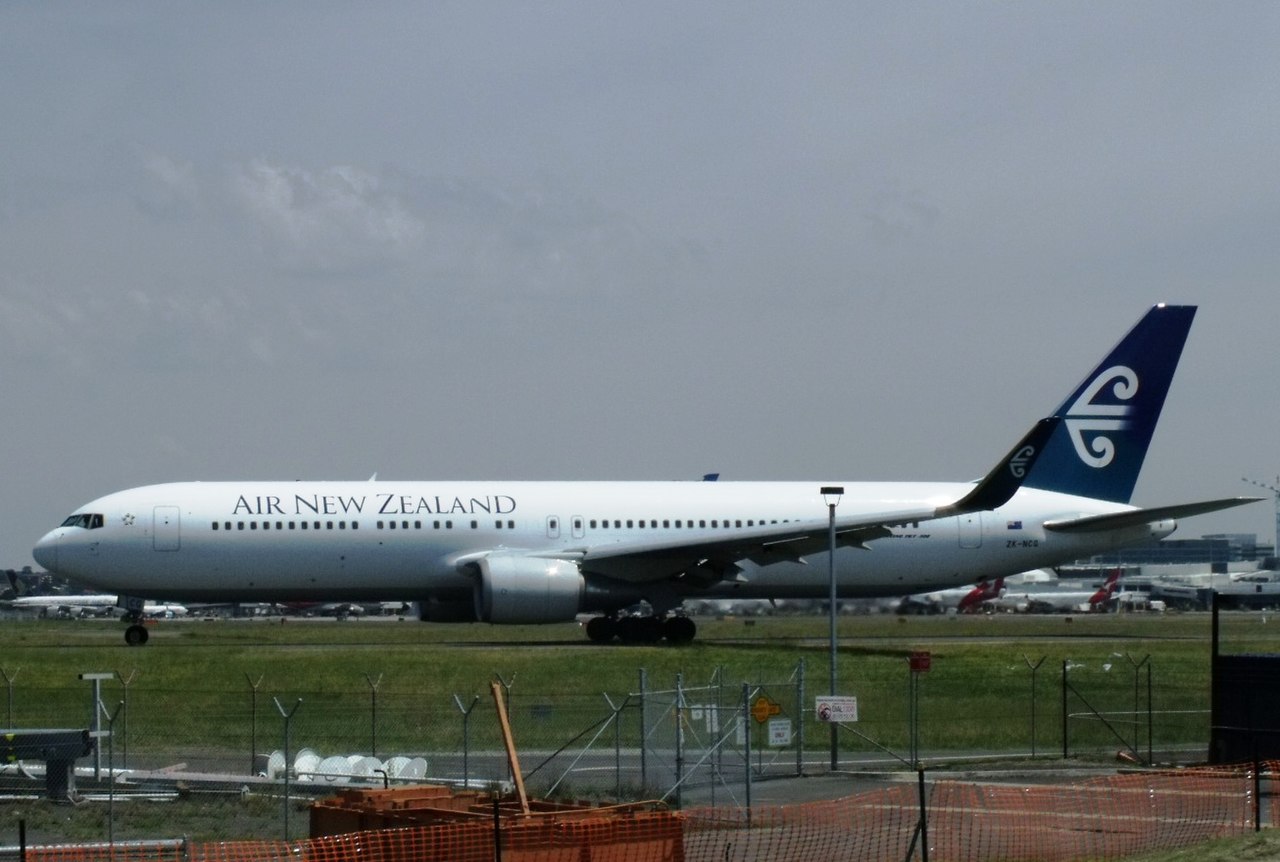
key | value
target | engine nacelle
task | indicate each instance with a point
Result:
(513, 589)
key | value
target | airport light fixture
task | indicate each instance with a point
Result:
(831, 495)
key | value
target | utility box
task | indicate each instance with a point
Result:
(1244, 724)
(59, 749)
(1246, 709)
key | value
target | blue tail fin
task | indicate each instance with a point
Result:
(1108, 421)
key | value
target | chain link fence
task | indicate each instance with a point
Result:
(697, 738)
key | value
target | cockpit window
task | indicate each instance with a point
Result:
(87, 521)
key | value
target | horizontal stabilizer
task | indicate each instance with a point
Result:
(1138, 517)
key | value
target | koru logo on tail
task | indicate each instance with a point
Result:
(1018, 463)
(1084, 417)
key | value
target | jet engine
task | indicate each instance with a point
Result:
(515, 589)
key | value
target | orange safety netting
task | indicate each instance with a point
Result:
(1097, 819)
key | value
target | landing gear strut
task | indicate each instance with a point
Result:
(643, 630)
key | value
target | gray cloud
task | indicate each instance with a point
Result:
(553, 241)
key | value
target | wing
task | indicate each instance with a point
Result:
(717, 557)
(1138, 517)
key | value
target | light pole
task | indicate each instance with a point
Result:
(831, 495)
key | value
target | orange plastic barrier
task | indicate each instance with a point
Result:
(1106, 818)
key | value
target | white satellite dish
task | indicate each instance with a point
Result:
(395, 766)
(304, 765)
(275, 765)
(416, 768)
(333, 770)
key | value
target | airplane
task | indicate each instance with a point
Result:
(1050, 600)
(960, 599)
(546, 552)
(89, 605)
(71, 605)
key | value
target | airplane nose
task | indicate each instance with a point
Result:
(46, 551)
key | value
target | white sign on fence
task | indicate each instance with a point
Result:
(836, 708)
(779, 732)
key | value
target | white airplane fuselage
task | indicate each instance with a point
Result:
(402, 541)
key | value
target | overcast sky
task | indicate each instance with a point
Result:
(583, 240)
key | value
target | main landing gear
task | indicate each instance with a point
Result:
(136, 634)
(641, 630)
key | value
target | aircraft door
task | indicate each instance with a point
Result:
(970, 530)
(166, 530)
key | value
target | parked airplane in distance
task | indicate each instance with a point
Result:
(959, 599)
(544, 552)
(1052, 599)
(89, 605)
(74, 605)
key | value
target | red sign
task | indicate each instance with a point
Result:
(920, 662)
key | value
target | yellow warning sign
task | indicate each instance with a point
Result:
(764, 708)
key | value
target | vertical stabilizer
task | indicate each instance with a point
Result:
(1108, 422)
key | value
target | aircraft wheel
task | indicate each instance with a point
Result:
(679, 630)
(648, 630)
(639, 630)
(601, 630)
(628, 629)
(136, 635)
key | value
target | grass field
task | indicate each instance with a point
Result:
(191, 689)
(197, 677)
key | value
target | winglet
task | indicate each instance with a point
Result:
(998, 487)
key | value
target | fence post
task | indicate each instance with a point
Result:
(111, 774)
(745, 718)
(8, 680)
(644, 731)
(1065, 748)
(253, 721)
(617, 744)
(1034, 668)
(288, 720)
(800, 717)
(124, 733)
(466, 736)
(373, 713)
(1137, 701)
(924, 817)
(1151, 716)
(679, 710)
